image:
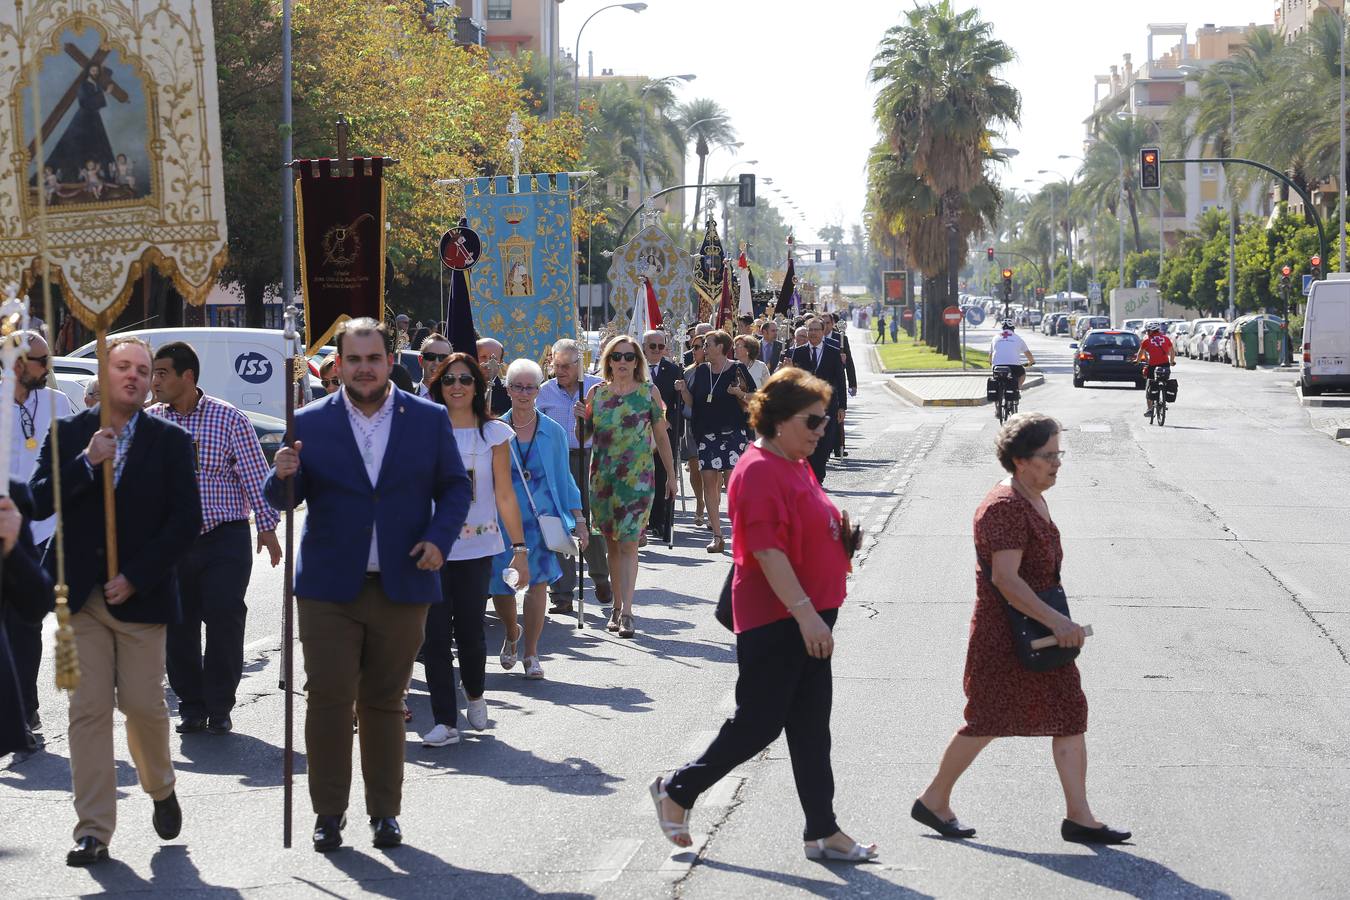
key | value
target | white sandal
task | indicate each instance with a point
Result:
(672, 830)
(857, 853)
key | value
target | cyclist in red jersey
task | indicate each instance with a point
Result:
(1155, 350)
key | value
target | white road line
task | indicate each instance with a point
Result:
(613, 859)
(1095, 427)
(697, 744)
(262, 645)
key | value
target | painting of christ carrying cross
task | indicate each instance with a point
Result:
(94, 125)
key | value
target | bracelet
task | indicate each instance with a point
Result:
(520, 547)
(805, 601)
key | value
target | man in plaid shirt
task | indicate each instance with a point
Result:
(213, 576)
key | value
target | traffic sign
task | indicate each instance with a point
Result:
(907, 315)
(1307, 284)
(1095, 291)
(951, 316)
(975, 316)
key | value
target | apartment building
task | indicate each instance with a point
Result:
(1294, 16)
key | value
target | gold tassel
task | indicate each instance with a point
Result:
(67, 657)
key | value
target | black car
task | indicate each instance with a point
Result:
(1107, 355)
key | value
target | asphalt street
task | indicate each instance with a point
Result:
(1209, 556)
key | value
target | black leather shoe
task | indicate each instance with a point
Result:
(219, 725)
(925, 816)
(1074, 833)
(386, 831)
(34, 721)
(88, 851)
(192, 725)
(328, 832)
(168, 817)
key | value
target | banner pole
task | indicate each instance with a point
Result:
(291, 337)
(288, 304)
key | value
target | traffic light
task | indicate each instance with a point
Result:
(745, 195)
(817, 256)
(1007, 284)
(990, 251)
(1149, 171)
(1040, 293)
(1316, 262)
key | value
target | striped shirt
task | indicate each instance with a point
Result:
(229, 461)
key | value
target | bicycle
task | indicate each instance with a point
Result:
(1006, 396)
(1157, 391)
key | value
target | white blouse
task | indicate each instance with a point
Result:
(481, 535)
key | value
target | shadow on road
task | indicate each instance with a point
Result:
(420, 874)
(859, 880)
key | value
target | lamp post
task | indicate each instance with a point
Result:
(1068, 210)
(576, 75)
(1054, 228)
(642, 133)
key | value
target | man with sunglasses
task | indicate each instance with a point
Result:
(668, 379)
(327, 375)
(32, 419)
(435, 349)
(490, 353)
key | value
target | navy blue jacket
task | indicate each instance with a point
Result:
(422, 494)
(159, 514)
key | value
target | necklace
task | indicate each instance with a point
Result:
(28, 422)
(713, 389)
(519, 425)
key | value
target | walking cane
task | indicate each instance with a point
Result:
(291, 337)
(583, 481)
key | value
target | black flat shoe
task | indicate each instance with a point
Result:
(219, 725)
(1074, 833)
(88, 851)
(191, 726)
(168, 817)
(925, 816)
(328, 832)
(385, 831)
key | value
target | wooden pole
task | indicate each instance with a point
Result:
(109, 485)
(292, 336)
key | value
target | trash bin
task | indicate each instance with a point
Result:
(1246, 343)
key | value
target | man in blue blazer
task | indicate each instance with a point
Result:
(120, 624)
(387, 495)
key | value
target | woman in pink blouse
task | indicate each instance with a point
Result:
(791, 561)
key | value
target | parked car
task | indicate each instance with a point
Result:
(1034, 317)
(1180, 333)
(1062, 325)
(1214, 347)
(1107, 355)
(1198, 341)
(1135, 325)
(1196, 325)
(1090, 323)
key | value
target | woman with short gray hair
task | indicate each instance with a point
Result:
(1017, 546)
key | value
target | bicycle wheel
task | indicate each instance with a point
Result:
(1162, 412)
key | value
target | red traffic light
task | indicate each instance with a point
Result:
(990, 251)
(1316, 260)
(1286, 271)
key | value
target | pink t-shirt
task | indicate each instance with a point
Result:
(777, 504)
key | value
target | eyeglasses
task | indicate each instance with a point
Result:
(813, 421)
(434, 357)
(624, 356)
(656, 346)
(1052, 456)
(523, 388)
(331, 382)
(449, 380)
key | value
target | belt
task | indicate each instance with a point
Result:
(373, 574)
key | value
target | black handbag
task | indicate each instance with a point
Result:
(1025, 629)
(723, 612)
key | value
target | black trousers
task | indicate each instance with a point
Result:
(212, 581)
(656, 523)
(778, 687)
(825, 447)
(25, 646)
(464, 585)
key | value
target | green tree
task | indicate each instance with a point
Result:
(707, 123)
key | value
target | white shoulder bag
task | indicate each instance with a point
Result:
(555, 534)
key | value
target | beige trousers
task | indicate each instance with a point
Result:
(121, 663)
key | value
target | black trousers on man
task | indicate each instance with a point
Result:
(778, 687)
(464, 585)
(824, 448)
(212, 581)
(25, 646)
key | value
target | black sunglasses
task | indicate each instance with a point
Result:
(449, 380)
(624, 356)
(813, 421)
(656, 346)
(333, 382)
(434, 357)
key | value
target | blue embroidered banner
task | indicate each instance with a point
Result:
(522, 287)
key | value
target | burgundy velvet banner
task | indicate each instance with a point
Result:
(341, 224)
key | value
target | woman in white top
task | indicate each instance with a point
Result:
(459, 385)
(747, 354)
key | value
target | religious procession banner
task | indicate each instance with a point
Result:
(522, 287)
(709, 276)
(340, 218)
(128, 165)
(652, 254)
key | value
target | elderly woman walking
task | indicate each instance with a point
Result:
(484, 448)
(544, 487)
(1017, 546)
(716, 393)
(792, 550)
(624, 414)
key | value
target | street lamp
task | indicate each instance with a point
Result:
(1232, 203)
(1054, 227)
(576, 75)
(642, 134)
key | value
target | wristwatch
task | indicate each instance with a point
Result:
(520, 547)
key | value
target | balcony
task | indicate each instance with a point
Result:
(469, 33)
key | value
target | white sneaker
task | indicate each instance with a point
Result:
(533, 670)
(477, 714)
(440, 736)
(509, 657)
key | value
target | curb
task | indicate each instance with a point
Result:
(897, 387)
(1343, 402)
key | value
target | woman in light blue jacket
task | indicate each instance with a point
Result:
(544, 487)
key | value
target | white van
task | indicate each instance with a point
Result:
(1326, 336)
(242, 366)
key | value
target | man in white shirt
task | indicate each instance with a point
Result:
(1007, 349)
(33, 402)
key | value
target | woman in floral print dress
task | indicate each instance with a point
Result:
(622, 412)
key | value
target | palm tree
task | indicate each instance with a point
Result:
(939, 106)
(705, 121)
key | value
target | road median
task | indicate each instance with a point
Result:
(947, 388)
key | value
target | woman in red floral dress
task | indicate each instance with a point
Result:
(1018, 550)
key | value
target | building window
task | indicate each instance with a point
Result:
(498, 10)
(1209, 171)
